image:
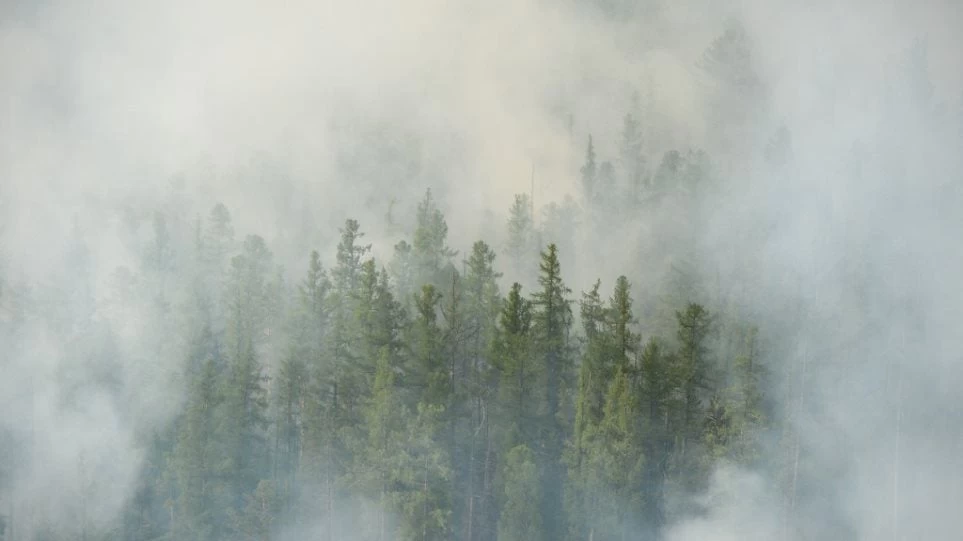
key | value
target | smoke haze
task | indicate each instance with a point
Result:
(844, 249)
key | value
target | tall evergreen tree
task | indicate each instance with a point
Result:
(520, 246)
(429, 248)
(521, 518)
(518, 374)
(631, 160)
(691, 372)
(195, 461)
(243, 419)
(552, 318)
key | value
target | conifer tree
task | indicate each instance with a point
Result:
(520, 246)
(243, 418)
(195, 460)
(385, 416)
(691, 372)
(429, 247)
(521, 518)
(589, 170)
(483, 304)
(631, 159)
(552, 318)
(518, 374)
(657, 387)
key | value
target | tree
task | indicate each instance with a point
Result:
(291, 381)
(625, 342)
(692, 377)
(631, 160)
(518, 374)
(583, 484)
(483, 305)
(736, 91)
(745, 403)
(218, 240)
(656, 390)
(403, 272)
(589, 170)
(520, 246)
(622, 457)
(429, 248)
(255, 521)
(560, 227)
(349, 257)
(429, 375)
(243, 418)
(385, 416)
(426, 505)
(195, 460)
(552, 318)
(160, 252)
(521, 518)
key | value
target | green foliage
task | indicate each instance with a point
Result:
(426, 406)
(429, 248)
(255, 521)
(520, 246)
(521, 516)
(517, 404)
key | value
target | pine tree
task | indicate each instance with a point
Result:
(583, 485)
(520, 246)
(344, 350)
(194, 460)
(385, 416)
(518, 375)
(315, 472)
(218, 239)
(254, 522)
(748, 415)
(625, 342)
(657, 387)
(521, 517)
(622, 457)
(429, 248)
(243, 421)
(425, 503)
(403, 272)
(291, 382)
(483, 304)
(349, 258)
(692, 377)
(552, 318)
(631, 159)
(429, 375)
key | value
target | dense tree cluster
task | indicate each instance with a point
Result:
(438, 395)
(410, 400)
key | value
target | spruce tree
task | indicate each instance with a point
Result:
(691, 372)
(518, 403)
(483, 304)
(521, 517)
(520, 246)
(429, 247)
(195, 460)
(552, 318)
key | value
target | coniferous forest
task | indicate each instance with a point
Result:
(743, 331)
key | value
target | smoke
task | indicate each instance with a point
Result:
(297, 116)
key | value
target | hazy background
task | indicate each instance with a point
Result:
(299, 115)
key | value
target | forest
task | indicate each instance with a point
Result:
(678, 281)
(415, 399)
